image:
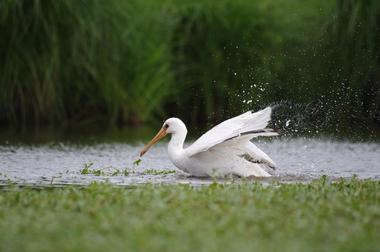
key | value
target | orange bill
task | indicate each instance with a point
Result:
(161, 134)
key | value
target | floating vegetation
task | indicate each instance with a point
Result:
(111, 171)
(157, 172)
(96, 172)
(86, 170)
(126, 172)
(137, 162)
(116, 172)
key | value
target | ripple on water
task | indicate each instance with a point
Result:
(299, 160)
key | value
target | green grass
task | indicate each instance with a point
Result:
(344, 216)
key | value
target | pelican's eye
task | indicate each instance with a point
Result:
(166, 126)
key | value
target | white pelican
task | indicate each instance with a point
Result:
(226, 149)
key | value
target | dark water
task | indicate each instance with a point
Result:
(299, 159)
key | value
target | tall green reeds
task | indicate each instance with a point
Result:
(235, 56)
(354, 65)
(137, 60)
(77, 60)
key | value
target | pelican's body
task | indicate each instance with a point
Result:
(224, 150)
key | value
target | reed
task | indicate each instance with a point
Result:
(78, 60)
(353, 43)
(132, 61)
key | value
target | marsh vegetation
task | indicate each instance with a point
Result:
(128, 62)
(246, 216)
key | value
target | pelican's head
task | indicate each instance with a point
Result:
(171, 126)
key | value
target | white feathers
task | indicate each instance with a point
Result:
(247, 125)
(224, 150)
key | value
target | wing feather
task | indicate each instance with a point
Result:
(231, 129)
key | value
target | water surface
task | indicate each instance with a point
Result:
(299, 159)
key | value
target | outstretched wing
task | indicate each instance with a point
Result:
(249, 123)
(242, 147)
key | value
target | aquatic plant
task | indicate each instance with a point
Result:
(157, 172)
(137, 162)
(112, 171)
(86, 168)
(126, 172)
(116, 172)
(108, 171)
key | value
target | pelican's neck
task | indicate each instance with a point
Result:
(176, 142)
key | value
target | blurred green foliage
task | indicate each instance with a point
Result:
(134, 61)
